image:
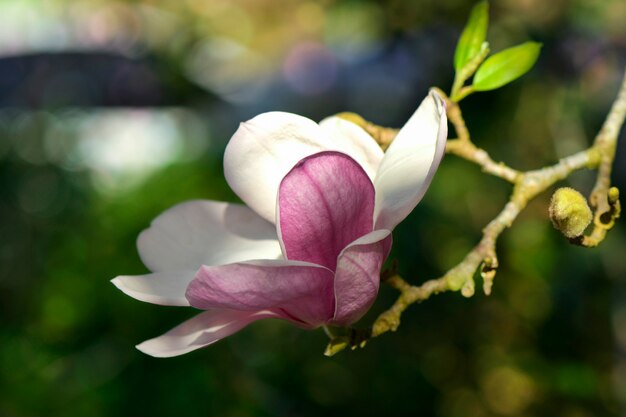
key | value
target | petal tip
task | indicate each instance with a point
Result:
(440, 103)
(147, 348)
(119, 284)
(155, 349)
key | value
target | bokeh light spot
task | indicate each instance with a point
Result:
(310, 68)
(507, 390)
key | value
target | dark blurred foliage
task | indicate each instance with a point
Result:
(111, 112)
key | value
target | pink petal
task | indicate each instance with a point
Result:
(358, 276)
(202, 330)
(203, 232)
(325, 202)
(410, 163)
(265, 148)
(300, 290)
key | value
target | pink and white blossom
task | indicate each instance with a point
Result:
(308, 246)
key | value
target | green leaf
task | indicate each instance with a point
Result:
(506, 66)
(473, 35)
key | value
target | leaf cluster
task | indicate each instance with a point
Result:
(489, 72)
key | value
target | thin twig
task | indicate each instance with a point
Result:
(467, 150)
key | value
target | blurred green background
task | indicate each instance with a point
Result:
(113, 111)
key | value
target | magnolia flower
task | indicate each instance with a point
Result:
(308, 247)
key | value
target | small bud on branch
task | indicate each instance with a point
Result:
(569, 212)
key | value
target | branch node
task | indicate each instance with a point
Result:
(468, 288)
(387, 321)
(488, 273)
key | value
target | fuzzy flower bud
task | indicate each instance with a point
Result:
(569, 212)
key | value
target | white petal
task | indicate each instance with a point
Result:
(202, 330)
(265, 148)
(197, 233)
(165, 288)
(262, 151)
(410, 163)
(354, 141)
